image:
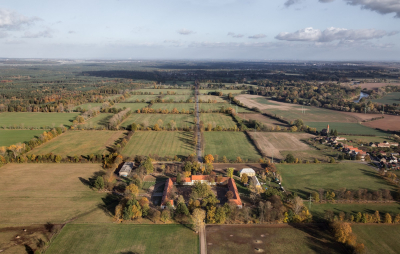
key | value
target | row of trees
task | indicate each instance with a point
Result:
(346, 194)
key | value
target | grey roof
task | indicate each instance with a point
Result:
(127, 167)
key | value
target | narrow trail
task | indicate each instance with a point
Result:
(203, 244)
(197, 113)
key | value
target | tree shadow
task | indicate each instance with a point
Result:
(90, 182)
(110, 201)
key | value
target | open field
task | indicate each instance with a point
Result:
(171, 106)
(182, 120)
(114, 238)
(323, 154)
(100, 120)
(133, 106)
(378, 238)
(178, 98)
(223, 120)
(268, 121)
(36, 120)
(146, 98)
(218, 106)
(347, 128)
(272, 143)
(162, 143)
(231, 145)
(164, 91)
(224, 91)
(88, 105)
(375, 85)
(306, 178)
(283, 238)
(211, 97)
(79, 143)
(12, 137)
(389, 98)
(390, 122)
(41, 193)
(365, 139)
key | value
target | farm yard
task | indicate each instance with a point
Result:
(268, 121)
(40, 193)
(272, 143)
(133, 106)
(79, 143)
(231, 145)
(223, 120)
(378, 238)
(116, 238)
(171, 106)
(307, 178)
(99, 120)
(347, 128)
(12, 137)
(279, 238)
(149, 120)
(36, 120)
(161, 143)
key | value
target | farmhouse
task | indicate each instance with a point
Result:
(126, 169)
(236, 198)
(247, 171)
(168, 186)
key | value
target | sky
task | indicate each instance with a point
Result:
(346, 30)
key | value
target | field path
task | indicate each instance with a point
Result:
(203, 244)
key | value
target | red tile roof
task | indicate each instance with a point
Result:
(168, 186)
(232, 187)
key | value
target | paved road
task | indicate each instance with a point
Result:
(203, 243)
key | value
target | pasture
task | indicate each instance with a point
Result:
(79, 143)
(378, 238)
(279, 238)
(365, 139)
(178, 98)
(99, 120)
(389, 98)
(88, 106)
(272, 143)
(141, 98)
(171, 106)
(40, 193)
(307, 178)
(223, 91)
(164, 91)
(114, 238)
(218, 106)
(268, 121)
(223, 120)
(347, 128)
(161, 143)
(145, 120)
(36, 120)
(12, 137)
(211, 98)
(231, 145)
(133, 106)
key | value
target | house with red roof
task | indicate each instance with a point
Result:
(167, 189)
(236, 198)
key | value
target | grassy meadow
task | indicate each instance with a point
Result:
(11, 137)
(224, 91)
(347, 128)
(182, 120)
(164, 91)
(79, 143)
(178, 98)
(114, 238)
(231, 145)
(140, 98)
(100, 120)
(162, 143)
(389, 98)
(36, 120)
(88, 105)
(223, 120)
(133, 106)
(212, 98)
(41, 193)
(171, 106)
(218, 106)
(378, 238)
(306, 178)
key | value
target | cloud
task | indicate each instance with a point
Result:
(3, 34)
(185, 31)
(379, 6)
(11, 20)
(235, 35)
(333, 34)
(288, 3)
(326, 1)
(257, 36)
(71, 32)
(48, 33)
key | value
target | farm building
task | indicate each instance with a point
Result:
(255, 181)
(247, 171)
(168, 186)
(202, 179)
(236, 198)
(126, 169)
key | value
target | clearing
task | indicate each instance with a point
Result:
(114, 238)
(306, 178)
(12, 137)
(40, 193)
(161, 143)
(272, 143)
(79, 143)
(283, 238)
(231, 145)
(378, 238)
(149, 120)
(36, 120)
(223, 120)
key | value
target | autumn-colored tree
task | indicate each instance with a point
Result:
(220, 215)
(244, 178)
(132, 189)
(198, 217)
(315, 196)
(397, 219)
(342, 231)
(209, 158)
(359, 248)
(156, 127)
(297, 204)
(388, 218)
(211, 214)
(224, 159)
(377, 217)
(239, 160)
(229, 172)
(165, 215)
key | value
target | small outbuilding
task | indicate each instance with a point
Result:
(126, 169)
(248, 171)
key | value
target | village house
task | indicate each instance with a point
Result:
(126, 169)
(236, 198)
(248, 171)
(167, 189)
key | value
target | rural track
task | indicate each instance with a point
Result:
(203, 244)
(198, 148)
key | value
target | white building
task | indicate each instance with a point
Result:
(248, 171)
(126, 169)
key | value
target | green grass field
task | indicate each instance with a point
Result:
(218, 106)
(88, 105)
(178, 98)
(99, 120)
(231, 145)
(378, 238)
(389, 98)
(114, 238)
(12, 137)
(182, 120)
(146, 98)
(366, 139)
(171, 106)
(162, 143)
(164, 91)
(211, 97)
(133, 106)
(306, 178)
(79, 143)
(36, 120)
(40, 193)
(347, 128)
(224, 91)
(225, 121)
